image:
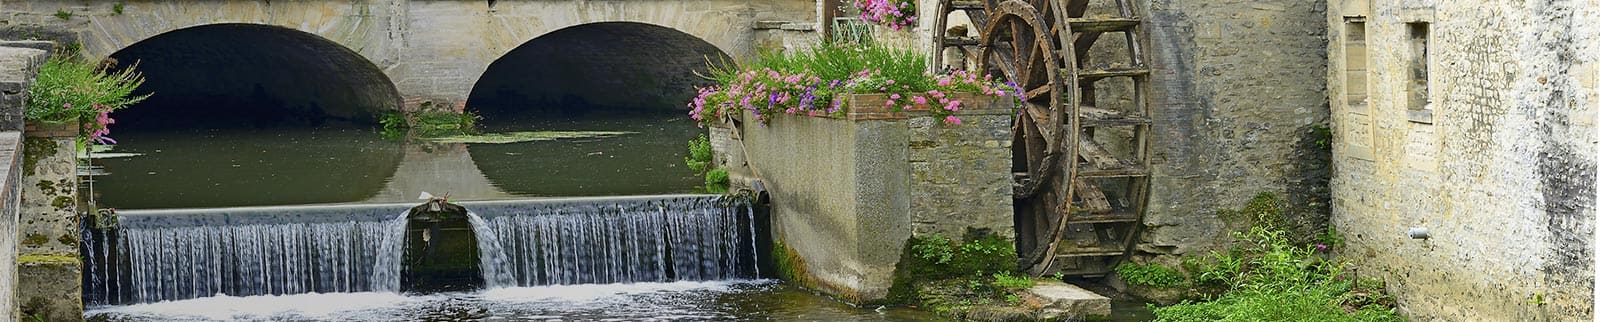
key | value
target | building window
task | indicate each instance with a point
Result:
(1417, 109)
(1355, 64)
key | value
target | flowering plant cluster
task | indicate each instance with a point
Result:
(812, 84)
(71, 90)
(895, 14)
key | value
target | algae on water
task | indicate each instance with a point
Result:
(526, 136)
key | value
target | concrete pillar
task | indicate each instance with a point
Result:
(49, 285)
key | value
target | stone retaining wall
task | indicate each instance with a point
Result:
(847, 193)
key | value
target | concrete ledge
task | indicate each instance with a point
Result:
(1058, 301)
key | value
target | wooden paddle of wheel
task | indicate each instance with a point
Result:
(1059, 166)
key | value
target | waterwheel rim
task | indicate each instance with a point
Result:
(1034, 67)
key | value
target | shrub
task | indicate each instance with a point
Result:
(984, 265)
(1150, 275)
(699, 159)
(429, 123)
(70, 90)
(717, 180)
(1272, 279)
(894, 14)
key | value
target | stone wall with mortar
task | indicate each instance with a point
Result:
(1498, 165)
(1238, 90)
(847, 193)
(958, 176)
(17, 69)
(432, 50)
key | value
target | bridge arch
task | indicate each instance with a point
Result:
(263, 75)
(601, 66)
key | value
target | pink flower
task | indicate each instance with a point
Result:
(919, 99)
(894, 96)
(888, 103)
(953, 106)
(952, 120)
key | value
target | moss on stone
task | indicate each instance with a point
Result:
(35, 240)
(68, 239)
(33, 149)
(790, 267)
(62, 202)
(1264, 210)
(25, 259)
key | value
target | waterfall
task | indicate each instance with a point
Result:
(164, 255)
(616, 240)
(492, 259)
(173, 255)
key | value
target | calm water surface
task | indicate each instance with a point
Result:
(251, 167)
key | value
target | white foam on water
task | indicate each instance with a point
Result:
(593, 292)
(299, 306)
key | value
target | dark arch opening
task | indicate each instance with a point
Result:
(245, 115)
(607, 67)
(233, 75)
(611, 76)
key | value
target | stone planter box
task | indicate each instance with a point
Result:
(847, 192)
(51, 129)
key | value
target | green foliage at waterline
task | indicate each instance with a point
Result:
(1150, 275)
(981, 269)
(430, 123)
(1270, 278)
(699, 161)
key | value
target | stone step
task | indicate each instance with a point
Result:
(1062, 301)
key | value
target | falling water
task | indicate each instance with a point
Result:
(173, 255)
(492, 260)
(620, 240)
(162, 255)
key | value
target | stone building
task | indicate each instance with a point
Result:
(1474, 121)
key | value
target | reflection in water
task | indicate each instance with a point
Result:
(700, 301)
(442, 168)
(219, 168)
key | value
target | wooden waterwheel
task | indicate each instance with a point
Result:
(1080, 158)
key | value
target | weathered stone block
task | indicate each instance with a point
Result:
(52, 288)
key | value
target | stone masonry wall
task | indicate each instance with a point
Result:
(1498, 164)
(957, 174)
(431, 50)
(1238, 93)
(17, 69)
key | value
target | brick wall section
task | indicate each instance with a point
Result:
(1502, 173)
(17, 69)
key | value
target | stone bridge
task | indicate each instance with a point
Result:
(384, 54)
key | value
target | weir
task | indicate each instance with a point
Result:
(162, 255)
